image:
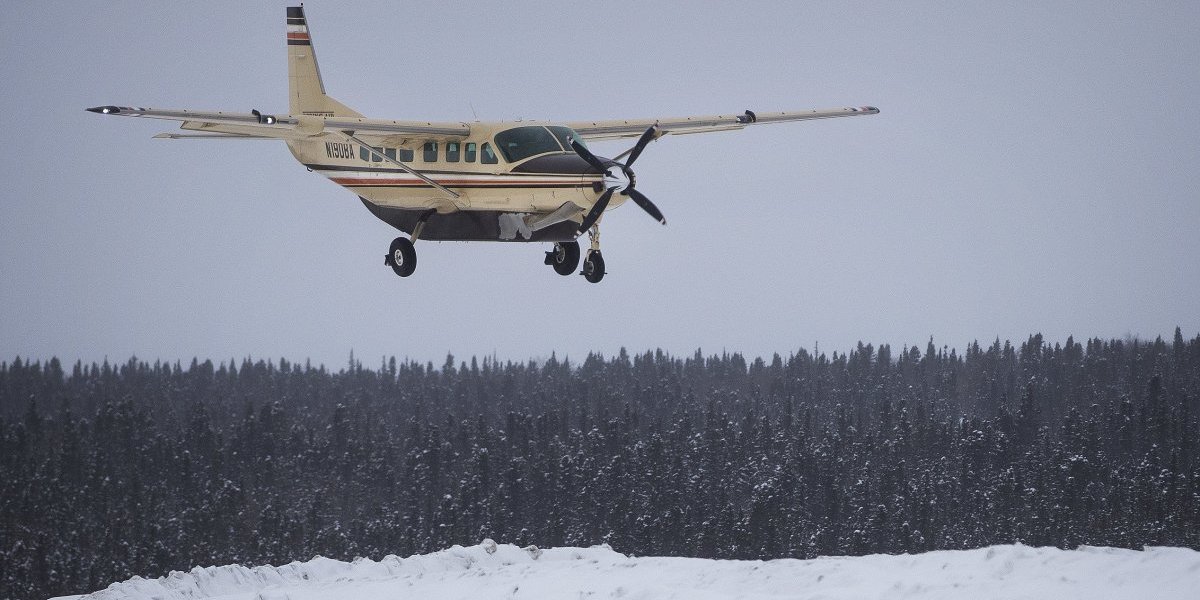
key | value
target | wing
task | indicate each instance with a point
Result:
(255, 125)
(608, 130)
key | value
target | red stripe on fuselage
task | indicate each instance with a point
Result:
(366, 182)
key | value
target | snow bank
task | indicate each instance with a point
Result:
(490, 571)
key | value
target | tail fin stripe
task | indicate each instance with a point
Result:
(306, 93)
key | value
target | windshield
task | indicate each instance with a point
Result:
(565, 135)
(520, 143)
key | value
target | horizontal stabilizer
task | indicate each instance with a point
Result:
(211, 136)
(292, 127)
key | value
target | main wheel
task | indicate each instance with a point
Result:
(402, 257)
(564, 257)
(593, 267)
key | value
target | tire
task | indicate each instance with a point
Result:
(564, 257)
(593, 267)
(403, 257)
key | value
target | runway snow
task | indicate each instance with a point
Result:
(487, 571)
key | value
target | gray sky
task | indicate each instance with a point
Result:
(1034, 168)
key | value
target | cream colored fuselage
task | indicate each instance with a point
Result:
(499, 186)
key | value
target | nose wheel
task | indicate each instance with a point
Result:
(593, 267)
(564, 257)
(593, 263)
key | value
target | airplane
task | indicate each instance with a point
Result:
(506, 181)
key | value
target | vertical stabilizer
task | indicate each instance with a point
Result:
(306, 92)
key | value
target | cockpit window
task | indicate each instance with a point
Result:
(565, 135)
(520, 143)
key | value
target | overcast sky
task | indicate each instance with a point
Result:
(1034, 169)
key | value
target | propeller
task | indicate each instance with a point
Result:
(649, 136)
(597, 210)
(604, 164)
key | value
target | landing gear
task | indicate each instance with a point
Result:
(593, 267)
(593, 263)
(402, 257)
(564, 257)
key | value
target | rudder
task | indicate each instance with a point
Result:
(306, 91)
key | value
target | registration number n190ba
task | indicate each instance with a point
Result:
(339, 150)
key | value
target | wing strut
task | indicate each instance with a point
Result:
(408, 169)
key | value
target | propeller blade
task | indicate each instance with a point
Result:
(646, 204)
(650, 135)
(597, 210)
(587, 155)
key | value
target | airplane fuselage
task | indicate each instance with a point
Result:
(491, 176)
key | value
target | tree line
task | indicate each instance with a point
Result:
(114, 470)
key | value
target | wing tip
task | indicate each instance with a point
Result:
(105, 110)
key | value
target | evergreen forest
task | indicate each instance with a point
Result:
(113, 470)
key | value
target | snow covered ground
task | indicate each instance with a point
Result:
(489, 571)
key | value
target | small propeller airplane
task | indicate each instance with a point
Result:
(509, 181)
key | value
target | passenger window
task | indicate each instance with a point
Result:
(489, 157)
(366, 154)
(390, 153)
(406, 155)
(469, 153)
(452, 151)
(430, 153)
